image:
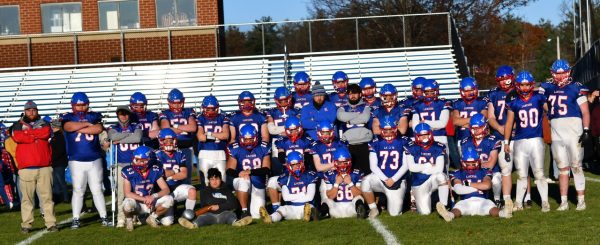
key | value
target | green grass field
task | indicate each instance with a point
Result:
(529, 226)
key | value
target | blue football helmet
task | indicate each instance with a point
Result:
(295, 164)
(478, 125)
(505, 77)
(141, 158)
(342, 160)
(167, 139)
(561, 72)
(176, 100)
(138, 102)
(246, 101)
(470, 159)
(468, 89)
(368, 87)
(80, 98)
(525, 83)
(301, 79)
(431, 90)
(423, 129)
(416, 87)
(325, 131)
(210, 106)
(388, 95)
(389, 129)
(293, 128)
(248, 136)
(340, 81)
(282, 98)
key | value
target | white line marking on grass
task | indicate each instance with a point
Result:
(385, 233)
(592, 179)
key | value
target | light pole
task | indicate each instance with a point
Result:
(557, 46)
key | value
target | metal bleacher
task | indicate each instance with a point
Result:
(110, 85)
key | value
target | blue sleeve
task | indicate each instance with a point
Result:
(305, 119)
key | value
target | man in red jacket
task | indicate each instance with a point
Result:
(31, 133)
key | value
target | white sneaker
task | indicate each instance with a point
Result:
(441, 209)
(242, 222)
(186, 223)
(581, 206)
(373, 213)
(545, 207)
(508, 208)
(564, 206)
(152, 221)
(265, 215)
(518, 206)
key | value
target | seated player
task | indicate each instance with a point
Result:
(218, 205)
(487, 147)
(344, 198)
(298, 189)
(425, 159)
(139, 182)
(249, 163)
(173, 163)
(388, 168)
(471, 183)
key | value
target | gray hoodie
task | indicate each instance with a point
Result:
(355, 118)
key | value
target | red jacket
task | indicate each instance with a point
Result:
(33, 148)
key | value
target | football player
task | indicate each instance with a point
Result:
(173, 163)
(301, 95)
(369, 89)
(487, 147)
(569, 120)
(340, 85)
(425, 159)
(391, 108)
(471, 183)
(469, 105)
(213, 134)
(183, 122)
(247, 114)
(82, 128)
(126, 137)
(526, 111)
(148, 119)
(416, 88)
(342, 185)
(140, 179)
(298, 189)
(388, 169)
(355, 116)
(248, 164)
(497, 113)
(276, 118)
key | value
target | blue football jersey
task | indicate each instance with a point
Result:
(375, 104)
(213, 125)
(484, 148)
(396, 112)
(171, 162)
(468, 109)
(337, 100)
(344, 193)
(146, 121)
(325, 151)
(300, 101)
(562, 102)
(301, 145)
(248, 160)
(408, 102)
(432, 112)
(528, 116)
(279, 116)
(238, 119)
(389, 154)
(142, 185)
(297, 186)
(82, 147)
(422, 156)
(125, 151)
(499, 100)
(475, 176)
(179, 119)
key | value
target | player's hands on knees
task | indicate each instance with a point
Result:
(245, 174)
(148, 200)
(389, 182)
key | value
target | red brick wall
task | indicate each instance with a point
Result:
(146, 48)
(14, 55)
(98, 51)
(147, 13)
(193, 46)
(52, 53)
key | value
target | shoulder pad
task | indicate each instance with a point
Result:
(264, 144)
(234, 145)
(356, 171)
(440, 144)
(411, 143)
(375, 139)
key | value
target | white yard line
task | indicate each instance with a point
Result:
(385, 233)
(592, 179)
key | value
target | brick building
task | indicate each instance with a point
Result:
(65, 32)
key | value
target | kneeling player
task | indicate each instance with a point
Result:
(173, 162)
(471, 183)
(425, 159)
(389, 169)
(343, 187)
(139, 181)
(297, 190)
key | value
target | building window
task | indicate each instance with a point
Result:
(118, 14)
(61, 17)
(9, 20)
(175, 13)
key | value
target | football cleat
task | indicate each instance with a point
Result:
(518, 206)
(129, 224)
(373, 213)
(152, 221)
(581, 206)
(242, 222)
(498, 204)
(53, 228)
(75, 224)
(442, 211)
(361, 210)
(545, 207)
(105, 222)
(307, 212)
(186, 223)
(528, 204)
(508, 208)
(25, 230)
(564, 206)
(264, 215)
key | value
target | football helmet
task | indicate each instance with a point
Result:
(295, 164)
(525, 84)
(325, 131)
(301, 82)
(342, 160)
(248, 136)
(468, 89)
(80, 98)
(416, 87)
(293, 128)
(138, 103)
(505, 77)
(561, 72)
(339, 81)
(470, 159)
(388, 95)
(282, 98)
(423, 135)
(431, 90)
(210, 106)
(176, 100)
(389, 129)
(246, 101)
(478, 126)
(167, 139)
(141, 158)
(368, 87)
